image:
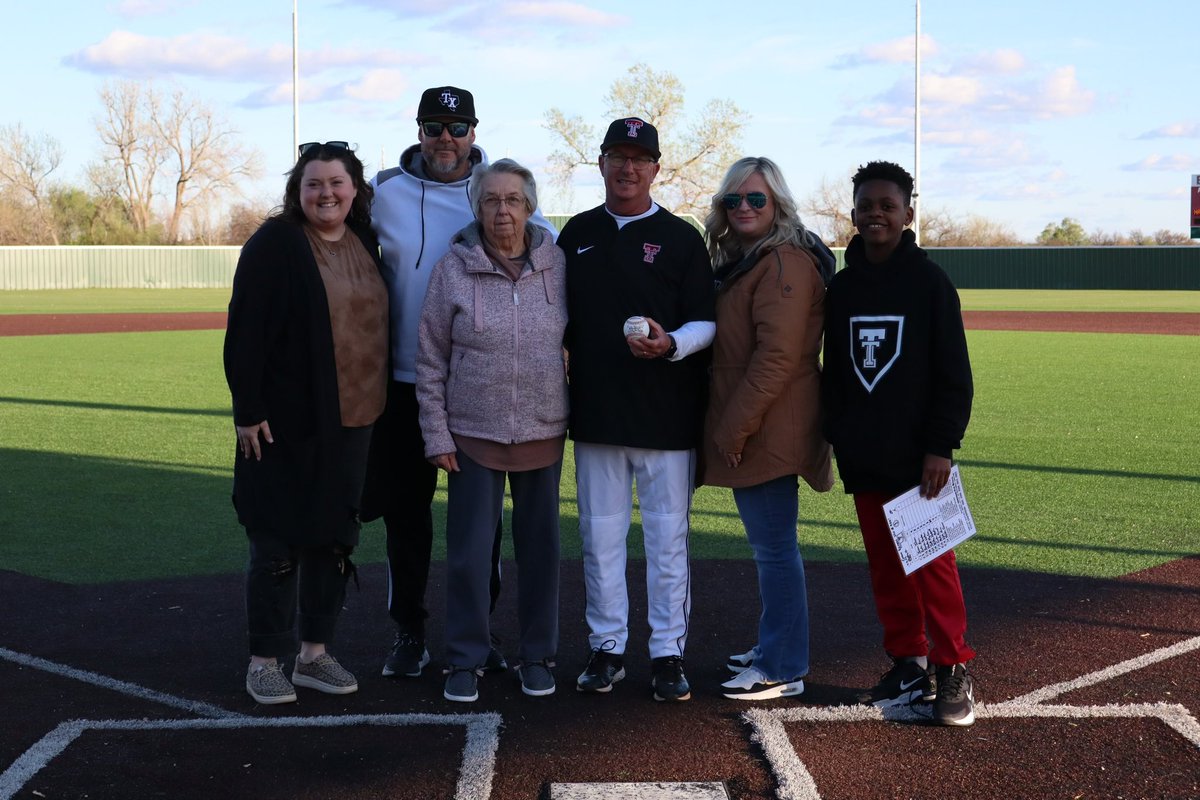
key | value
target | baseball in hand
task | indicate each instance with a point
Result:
(636, 326)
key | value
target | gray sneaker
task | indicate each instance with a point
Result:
(268, 685)
(462, 684)
(536, 678)
(324, 674)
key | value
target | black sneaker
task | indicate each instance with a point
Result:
(668, 681)
(602, 671)
(907, 682)
(955, 703)
(407, 657)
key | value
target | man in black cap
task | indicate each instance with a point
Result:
(637, 402)
(419, 205)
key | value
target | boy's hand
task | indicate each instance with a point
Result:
(934, 475)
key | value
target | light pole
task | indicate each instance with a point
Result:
(916, 226)
(295, 80)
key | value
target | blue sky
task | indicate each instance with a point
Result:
(1031, 111)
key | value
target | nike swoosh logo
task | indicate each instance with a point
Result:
(904, 687)
(584, 249)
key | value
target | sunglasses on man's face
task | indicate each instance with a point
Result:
(755, 199)
(307, 146)
(457, 129)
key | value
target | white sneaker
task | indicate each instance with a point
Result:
(742, 661)
(751, 684)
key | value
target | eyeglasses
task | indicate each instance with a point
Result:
(512, 202)
(457, 129)
(755, 199)
(639, 162)
(307, 146)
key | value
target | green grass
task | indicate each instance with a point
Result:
(1078, 300)
(75, 301)
(116, 453)
(100, 301)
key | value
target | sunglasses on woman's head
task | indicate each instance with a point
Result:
(755, 199)
(457, 129)
(307, 146)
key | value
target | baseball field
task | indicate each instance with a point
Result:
(122, 649)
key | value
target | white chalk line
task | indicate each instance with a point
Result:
(475, 773)
(1108, 673)
(795, 782)
(113, 684)
(475, 776)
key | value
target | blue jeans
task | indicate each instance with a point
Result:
(769, 512)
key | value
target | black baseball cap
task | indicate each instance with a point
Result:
(632, 130)
(447, 102)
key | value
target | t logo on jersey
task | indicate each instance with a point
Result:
(651, 250)
(874, 347)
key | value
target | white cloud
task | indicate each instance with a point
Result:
(384, 85)
(1158, 163)
(1061, 95)
(951, 90)
(897, 51)
(1174, 130)
(216, 56)
(1002, 61)
(561, 13)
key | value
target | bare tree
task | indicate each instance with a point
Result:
(177, 148)
(827, 211)
(26, 162)
(133, 149)
(205, 156)
(1165, 236)
(694, 158)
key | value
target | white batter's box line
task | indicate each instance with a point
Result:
(113, 684)
(475, 773)
(1108, 673)
(796, 783)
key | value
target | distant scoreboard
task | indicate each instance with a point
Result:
(1196, 206)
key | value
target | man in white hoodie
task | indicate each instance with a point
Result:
(419, 205)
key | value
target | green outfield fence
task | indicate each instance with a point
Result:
(1159, 268)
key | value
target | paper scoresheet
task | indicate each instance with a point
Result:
(924, 529)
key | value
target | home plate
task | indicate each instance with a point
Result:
(638, 791)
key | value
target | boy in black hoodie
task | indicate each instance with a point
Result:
(897, 394)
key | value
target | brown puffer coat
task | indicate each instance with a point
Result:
(764, 399)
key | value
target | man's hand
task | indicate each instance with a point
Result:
(247, 436)
(655, 345)
(934, 475)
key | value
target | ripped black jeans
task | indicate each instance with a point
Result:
(294, 587)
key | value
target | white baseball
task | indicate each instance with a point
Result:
(636, 326)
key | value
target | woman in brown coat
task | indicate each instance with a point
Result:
(762, 431)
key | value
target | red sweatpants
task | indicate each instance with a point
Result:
(909, 606)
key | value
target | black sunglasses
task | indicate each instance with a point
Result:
(307, 146)
(755, 199)
(457, 129)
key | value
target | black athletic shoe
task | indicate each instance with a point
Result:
(602, 671)
(905, 683)
(955, 703)
(668, 680)
(407, 657)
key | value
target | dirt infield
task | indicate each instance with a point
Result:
(1185, 324)
(1087, 689)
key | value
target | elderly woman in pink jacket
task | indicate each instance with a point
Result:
(492, 389)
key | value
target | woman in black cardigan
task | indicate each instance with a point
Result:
(305, 359)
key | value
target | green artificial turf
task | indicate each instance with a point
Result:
(116, 453)
(78, 301)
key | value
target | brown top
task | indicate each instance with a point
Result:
(358, 317)
(520, 457)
